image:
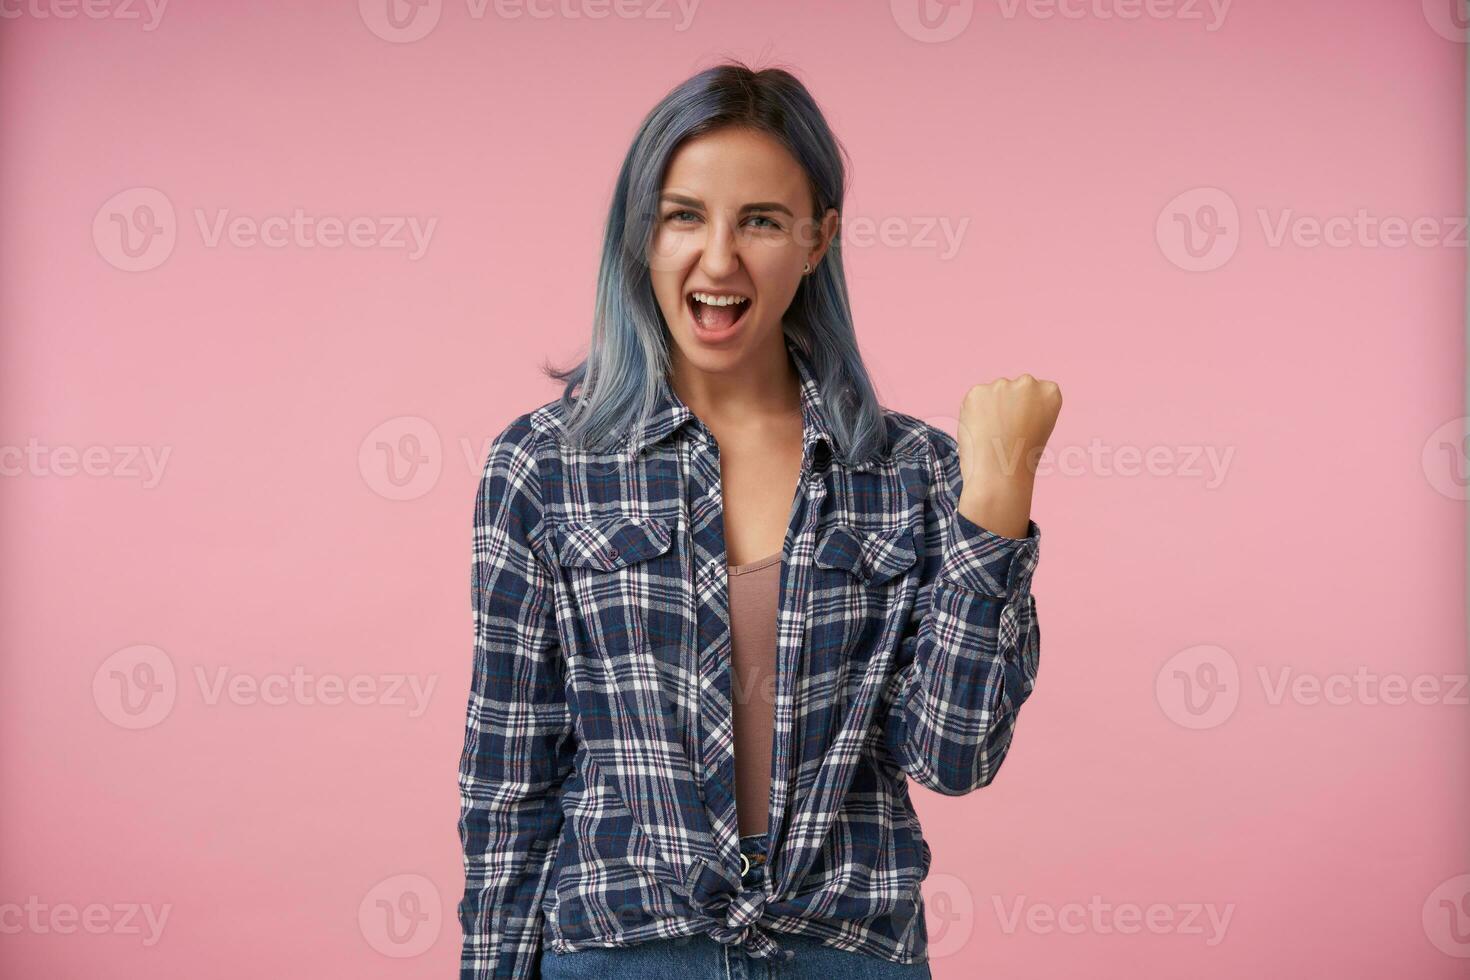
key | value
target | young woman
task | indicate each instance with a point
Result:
(727, 605)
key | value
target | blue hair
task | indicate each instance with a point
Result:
(628, 357)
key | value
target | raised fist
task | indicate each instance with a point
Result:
(1003, 427)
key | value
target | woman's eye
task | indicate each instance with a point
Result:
(684, 215)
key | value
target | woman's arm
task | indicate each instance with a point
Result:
(519, 742)
(971, 651)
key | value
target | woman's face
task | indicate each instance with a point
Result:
(735, 225)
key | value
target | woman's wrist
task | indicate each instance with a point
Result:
(1002, 507)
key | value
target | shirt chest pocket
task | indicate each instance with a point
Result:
(862, 588)
(873, 558)
(621, 585)
(611, 544)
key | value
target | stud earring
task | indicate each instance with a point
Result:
(806, 269)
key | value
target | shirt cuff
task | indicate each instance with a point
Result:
(983, 561)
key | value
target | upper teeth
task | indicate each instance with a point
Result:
(709, 299)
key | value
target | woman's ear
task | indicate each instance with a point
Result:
(826, 231)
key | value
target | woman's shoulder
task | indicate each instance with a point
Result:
(913, 436)
(535, 427)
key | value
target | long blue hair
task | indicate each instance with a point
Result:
(628, 356)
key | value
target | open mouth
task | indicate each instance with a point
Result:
(717, 314)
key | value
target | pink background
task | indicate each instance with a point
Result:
(276, 834)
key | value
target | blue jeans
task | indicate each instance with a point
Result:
(703, 958)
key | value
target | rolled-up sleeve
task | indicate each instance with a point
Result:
(971, 649)
(519, 743)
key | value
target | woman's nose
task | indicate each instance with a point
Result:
(720, 257)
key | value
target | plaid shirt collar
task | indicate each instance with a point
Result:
(670, 413)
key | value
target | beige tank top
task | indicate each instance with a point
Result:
(754, 597)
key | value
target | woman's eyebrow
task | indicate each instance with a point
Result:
(694, 202)
(769, 206)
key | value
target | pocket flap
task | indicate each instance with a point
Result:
(611, 543)
(873, 556)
